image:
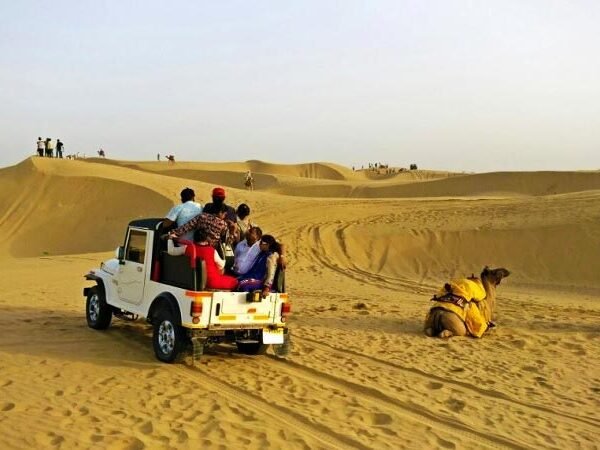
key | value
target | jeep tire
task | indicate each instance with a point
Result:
(168, 338)
(97, 312)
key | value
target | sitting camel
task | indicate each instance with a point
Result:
(466, 306)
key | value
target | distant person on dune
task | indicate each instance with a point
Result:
(59, 148)
(249, 181)
(184, 212)
(50, 149)
(40, 147)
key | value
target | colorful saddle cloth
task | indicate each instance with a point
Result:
(462, 297)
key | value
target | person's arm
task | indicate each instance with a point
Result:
(219, 261)
(271, 267)
(167, 223)
(175, 251)
(282, 259)
(186, 227)
(244, 263)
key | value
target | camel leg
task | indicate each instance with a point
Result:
(444, 324)
(452, 325)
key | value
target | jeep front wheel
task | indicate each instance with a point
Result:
(168, 338)
(97, 312)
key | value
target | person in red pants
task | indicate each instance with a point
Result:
(202, 249)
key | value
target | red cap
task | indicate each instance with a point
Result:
(218, 192)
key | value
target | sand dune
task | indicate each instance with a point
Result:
(358, 377)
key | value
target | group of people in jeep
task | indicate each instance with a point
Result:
(217, 232)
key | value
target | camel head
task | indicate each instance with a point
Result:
(494, 276)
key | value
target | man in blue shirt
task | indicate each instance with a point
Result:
(184, 212)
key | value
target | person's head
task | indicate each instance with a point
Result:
(268, 244)
(221, 211)
(187, 194)
(39, 138)
(200, 235)
(243, 211)
(218, 195)
(253, 234)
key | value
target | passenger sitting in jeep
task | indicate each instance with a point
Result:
(262, 272)
(202, 249)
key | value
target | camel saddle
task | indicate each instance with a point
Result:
(462, 297)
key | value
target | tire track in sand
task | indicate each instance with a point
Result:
(281, 414)
(301, 424)
(309, 237)
(405, 409)
(427, 377)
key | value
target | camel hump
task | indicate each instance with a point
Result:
(466, 288)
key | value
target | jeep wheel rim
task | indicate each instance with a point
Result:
(166, 337)
(94, 308)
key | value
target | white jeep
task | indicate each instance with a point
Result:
(169, 291)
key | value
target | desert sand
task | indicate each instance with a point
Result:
(366, 252)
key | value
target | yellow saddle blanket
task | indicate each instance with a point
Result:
(473, 292)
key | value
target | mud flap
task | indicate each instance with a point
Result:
(282, 350)
(197, 349)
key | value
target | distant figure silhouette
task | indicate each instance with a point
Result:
(171, 159)
(40, 147)
(101, 153)
(249, 181)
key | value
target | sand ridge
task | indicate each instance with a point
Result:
(358, 376)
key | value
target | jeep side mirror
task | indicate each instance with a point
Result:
(120, 254)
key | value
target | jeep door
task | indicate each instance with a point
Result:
(132, 273)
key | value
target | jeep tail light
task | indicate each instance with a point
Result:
(196, 310)
(286, 310)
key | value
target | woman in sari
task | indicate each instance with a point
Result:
(262, 273)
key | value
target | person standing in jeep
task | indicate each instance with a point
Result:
(218, 199)
(214, 225)
(184, 212)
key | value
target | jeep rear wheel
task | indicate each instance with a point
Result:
(168, 338)
(97, 312)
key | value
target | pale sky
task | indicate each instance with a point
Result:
(451, 84)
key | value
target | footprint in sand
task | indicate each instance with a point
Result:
(433, 385)
(146, 427)
(577, 348)
(48, 439)
(126, 443)
(518, 343)
(381, 419)
(445, 444)
(455, 404)
(7, 406)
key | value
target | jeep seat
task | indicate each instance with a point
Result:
(177, 271)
